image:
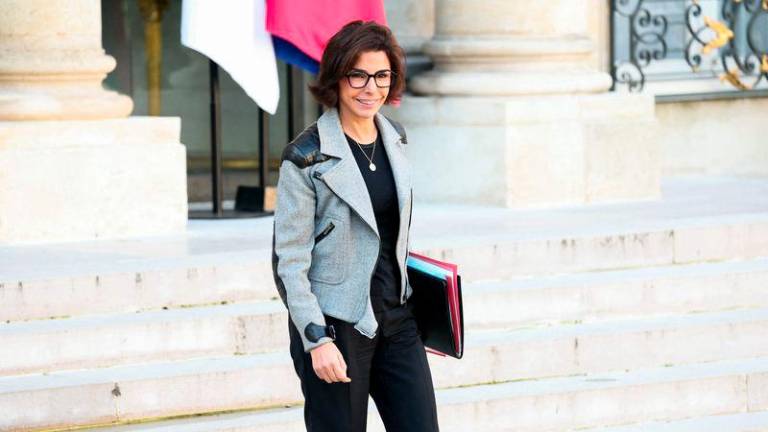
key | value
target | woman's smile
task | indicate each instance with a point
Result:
(368, 103)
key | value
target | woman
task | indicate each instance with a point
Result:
(340, 244)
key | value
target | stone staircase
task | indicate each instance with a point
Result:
(623, 317)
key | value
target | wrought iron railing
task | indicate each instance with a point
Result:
(657, 41)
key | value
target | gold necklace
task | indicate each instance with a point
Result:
(371, 165)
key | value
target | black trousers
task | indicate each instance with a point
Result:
(392, 368)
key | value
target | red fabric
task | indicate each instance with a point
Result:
(309, 24)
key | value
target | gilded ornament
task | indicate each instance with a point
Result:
(723, 35)
(733, 78)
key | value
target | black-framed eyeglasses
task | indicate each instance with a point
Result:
(359, 78)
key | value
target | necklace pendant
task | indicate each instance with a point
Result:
(372, 166)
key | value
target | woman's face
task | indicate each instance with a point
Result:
(363, 103)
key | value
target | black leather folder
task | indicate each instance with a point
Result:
(431, 307)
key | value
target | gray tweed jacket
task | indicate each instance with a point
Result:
(325, 241)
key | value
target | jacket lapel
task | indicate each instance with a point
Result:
(345, 179)
(400, 165)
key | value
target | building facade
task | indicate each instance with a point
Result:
(510, 103)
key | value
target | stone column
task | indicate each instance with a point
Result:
(517, 111)
(152, 12)
(52, 63)
(413, 23)
(511, 47)
(73, 166)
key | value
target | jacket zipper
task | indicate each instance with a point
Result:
(325, 232)
(407, 236)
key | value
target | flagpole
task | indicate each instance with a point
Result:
(217, 191)
(263, 151)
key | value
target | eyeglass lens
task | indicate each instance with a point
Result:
(359, 79)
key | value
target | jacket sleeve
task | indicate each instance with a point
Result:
(292, 245)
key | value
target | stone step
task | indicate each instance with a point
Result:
(117, 339)
(645, 292)
(232, 262)
(572, 296)
(608, 399)
(97, 396)
(289, 419)
(284, 419)
(150, 284)
(253, 327)
(688, 396)
(603, 248)
(614, 294)
(546, 351)
(742, 422)
(532, 354)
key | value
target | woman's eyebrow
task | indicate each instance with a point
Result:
(363, 70)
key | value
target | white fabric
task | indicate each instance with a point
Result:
(235, 37)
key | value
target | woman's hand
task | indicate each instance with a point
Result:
(329, 364)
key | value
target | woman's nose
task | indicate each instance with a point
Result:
(371, 85)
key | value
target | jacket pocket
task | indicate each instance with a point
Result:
(329, 259)
(325, 232)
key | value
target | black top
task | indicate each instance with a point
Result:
(385, 284)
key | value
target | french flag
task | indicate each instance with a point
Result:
(245, 37)
(233, 36)
(301, 28)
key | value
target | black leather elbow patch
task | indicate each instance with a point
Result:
(314, 332)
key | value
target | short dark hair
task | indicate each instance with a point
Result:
(343, 51)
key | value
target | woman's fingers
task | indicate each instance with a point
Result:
(323, 375)
(336, 371)
(331, 373)
(325, 362)
(329, 364)
(341, 371)
(320, 361)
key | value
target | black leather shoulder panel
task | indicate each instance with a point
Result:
(304, 150)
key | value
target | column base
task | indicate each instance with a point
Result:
(63, 104)
(532, 151)
(83, 180)
(519, 83)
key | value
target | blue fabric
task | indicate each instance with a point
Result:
(290, 54)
